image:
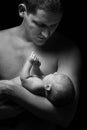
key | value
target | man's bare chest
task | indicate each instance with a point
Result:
(11, 63)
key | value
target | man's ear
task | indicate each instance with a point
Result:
(22, 10)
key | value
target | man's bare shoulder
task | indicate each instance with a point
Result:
(4, 36)
(66, 46)
(70, 58)
(71, 54)
(7, 37)
(67, 43)
(60, 43)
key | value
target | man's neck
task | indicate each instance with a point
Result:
(19, 33)
(22, 33)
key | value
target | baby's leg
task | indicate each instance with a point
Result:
(25, 73)
(36, 71)
(26, 70)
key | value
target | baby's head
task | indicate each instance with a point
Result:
(59, 88)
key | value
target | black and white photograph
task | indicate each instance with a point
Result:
(43, 64)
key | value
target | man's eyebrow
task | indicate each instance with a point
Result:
(54, 24)
(39, 23)
(43, 25)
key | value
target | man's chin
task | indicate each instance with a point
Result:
(38, 43)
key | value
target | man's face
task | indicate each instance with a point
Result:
(41, 25)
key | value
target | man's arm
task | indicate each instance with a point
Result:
(7, 110)
(70, 65)
(38, 105)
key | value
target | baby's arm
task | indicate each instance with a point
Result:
(25, 73)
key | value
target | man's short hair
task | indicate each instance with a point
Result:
(52, 6)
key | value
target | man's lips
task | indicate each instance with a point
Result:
(42, 38)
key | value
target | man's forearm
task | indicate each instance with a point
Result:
(7, 110)
(39, 106)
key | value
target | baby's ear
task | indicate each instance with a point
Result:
(48, 87)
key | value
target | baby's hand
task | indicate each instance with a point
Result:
(34, 60)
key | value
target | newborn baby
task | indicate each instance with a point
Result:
(57, 88)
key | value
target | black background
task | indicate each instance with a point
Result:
(73, 25)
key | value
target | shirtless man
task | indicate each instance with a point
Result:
(56, 54)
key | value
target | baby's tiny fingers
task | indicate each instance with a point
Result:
(31, 55)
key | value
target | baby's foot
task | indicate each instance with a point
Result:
(34, 60)
(32, 57)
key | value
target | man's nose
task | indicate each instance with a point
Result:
(45, 33)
